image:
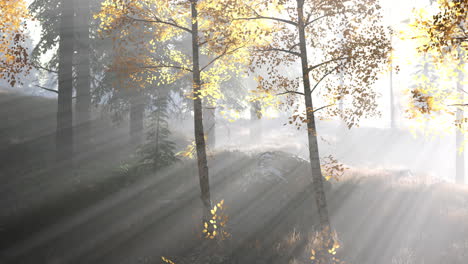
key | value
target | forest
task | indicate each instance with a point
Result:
(233, 131)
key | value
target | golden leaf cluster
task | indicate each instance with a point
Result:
(167, 29)
(189, 151)
(13, 55)
(215, 227)
(324, 248)
(440, 38)
(332, 168)
(166, 260)
(442, 31)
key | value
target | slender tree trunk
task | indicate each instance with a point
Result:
(318, 187)
(64, 134)
(156, 153)
(137, 111)
(83, 87)
(460, 137)
(198, 118)
(209, 124)
(426, 73)
(392, 96)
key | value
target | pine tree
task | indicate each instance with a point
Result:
(158, 151)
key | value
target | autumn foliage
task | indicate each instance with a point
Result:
(13, 54)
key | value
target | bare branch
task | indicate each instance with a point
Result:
(269, 18)
(202, 43)
(311, 68)
(293, 46)
(258, 16)
(282, 50)
(50, 90)
(316, 19)
(157, 20)
(226, 52)
(166, 66)
(43, 68)
(324, 76)
(47, 89)
(323, 107)
(290, 92)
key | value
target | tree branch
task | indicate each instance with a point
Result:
(323, 107)
(157, 20)
(311, 68)
(50, 90)
(283, 50)
(220, 56)
(269, 18)
(290, 92)
(43, 68)
(166, 66)
(293, 46)
(323, 77)
(316, 19)
(47, 89)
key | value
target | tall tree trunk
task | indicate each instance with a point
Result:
(426, 74)
(318, 187)
(209, 124)
(460, 137)
(158, 125)
(137, 111)
(198, 118)
(64, 134)
(83, 86)
(392, 96)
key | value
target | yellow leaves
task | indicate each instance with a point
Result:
(331, 168)
(215, 227)
(189, 151)
(230, 114)
(166, 260)
(265, 97)
(14, 57)
(324, 247)
(440, 30)
(166, 25)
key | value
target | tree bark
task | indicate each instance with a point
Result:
(209, 123)
(460, 137)
(198, 117)
(83, 85)
(318, 187)
(64, 133)
(392, 96)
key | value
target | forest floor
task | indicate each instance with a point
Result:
(104, 212)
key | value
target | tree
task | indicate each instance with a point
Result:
(158, 152)
(123, 84)
(443, 32)
(313, 29)
(64, 136)
(83, 73)
(442, 37)
(212, 57)
(14, 57)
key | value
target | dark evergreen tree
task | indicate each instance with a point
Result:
(158, 151)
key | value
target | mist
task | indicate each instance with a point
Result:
(205, 131)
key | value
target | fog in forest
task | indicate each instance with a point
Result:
(229, 131)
